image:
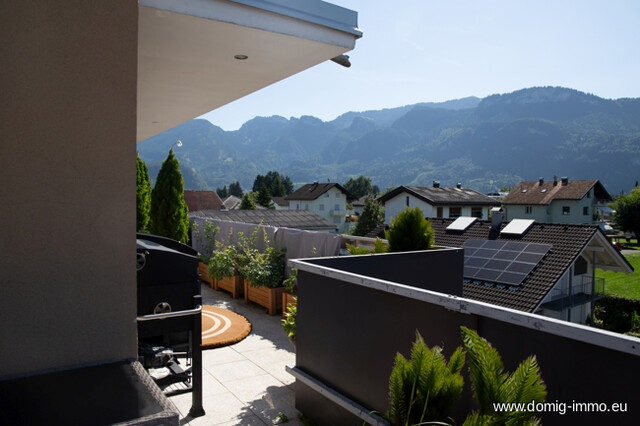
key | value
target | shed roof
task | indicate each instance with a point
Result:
(297, 219)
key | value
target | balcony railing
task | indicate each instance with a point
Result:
(586, 290)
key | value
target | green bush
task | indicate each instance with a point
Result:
(424, 387)
(616, 313)
(410, 231)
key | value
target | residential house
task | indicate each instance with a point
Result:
(437, 202)
(542, 268)
(202, 200)
(558, 201)
(84, 83)
(328, 200)
(231, 203)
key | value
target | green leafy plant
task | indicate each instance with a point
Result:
(424, 387)
(266, 268)
(410, 231)
(289, 320)
(491, 384)
(378, 247)
(291, 281)
(231, 257)
(206, 238)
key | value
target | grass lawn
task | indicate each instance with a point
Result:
(620, 284)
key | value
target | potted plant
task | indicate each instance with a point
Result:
(289, 294)
(227, 264)
(264, 274)
(206, 242)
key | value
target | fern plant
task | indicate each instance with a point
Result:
(424, 387)
(491, 384)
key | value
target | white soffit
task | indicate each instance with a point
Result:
(461, 223)
(517, 226)
(187, 49)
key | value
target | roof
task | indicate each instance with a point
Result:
(202, 200)
(544, 192)
(436, 195)
(231, 49)
(280, 201)
(232, 202)
(297, 219)
(312, 191)
(568, 243)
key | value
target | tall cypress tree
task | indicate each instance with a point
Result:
(169, 212)
(143, 196)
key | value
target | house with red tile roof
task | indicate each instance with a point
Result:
(437, 201)
(557, 201)
(536, 267)
(202, 200)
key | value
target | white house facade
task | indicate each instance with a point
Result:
(437, 202)
(327, 200)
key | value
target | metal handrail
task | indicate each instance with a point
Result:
(175, 314)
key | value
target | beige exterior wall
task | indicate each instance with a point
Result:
(67, 167)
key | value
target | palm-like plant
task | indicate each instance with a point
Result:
(491, 384)
(423, 388)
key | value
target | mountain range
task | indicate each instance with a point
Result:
(484, 144)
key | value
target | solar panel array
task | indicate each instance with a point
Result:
(499, 261)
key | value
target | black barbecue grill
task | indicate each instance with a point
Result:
(170, 313)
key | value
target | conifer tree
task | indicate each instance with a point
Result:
(372, 215)
(169, 213)
(264, 197)
(247, 203)
(143, 196)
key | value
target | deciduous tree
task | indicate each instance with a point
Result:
(627, 207)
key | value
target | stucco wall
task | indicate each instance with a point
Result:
(68, 120)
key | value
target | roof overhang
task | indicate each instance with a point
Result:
(187, 52)
(606, 255)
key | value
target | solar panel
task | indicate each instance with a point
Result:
(461, 223)
(499, 261)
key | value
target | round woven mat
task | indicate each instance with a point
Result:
(222, 327)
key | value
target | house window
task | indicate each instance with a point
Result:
(439, 212)
(566, 210)
(580, 266)
(337, 194)
(585, 211)
(297, 206)
(407, 201)
(306, 206)
(321, 208)
(336, 206)
(528, 209)
(455, 212)
(476, 212)
(589, 194)
(326, 194)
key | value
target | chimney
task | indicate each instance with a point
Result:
(541, 181)
(496, 218)
(565, 181)
(436, 184)
(555, 180)
(459, 185)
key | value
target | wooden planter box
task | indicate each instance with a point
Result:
(233, 285)
(287, 298)
(203, 268)
(270, 298)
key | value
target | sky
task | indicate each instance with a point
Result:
(416, 51)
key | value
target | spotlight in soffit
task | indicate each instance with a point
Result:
(342, 60)
(241, 57)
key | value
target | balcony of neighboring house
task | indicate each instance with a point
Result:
(587, 289)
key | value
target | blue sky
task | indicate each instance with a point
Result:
(437, 50)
